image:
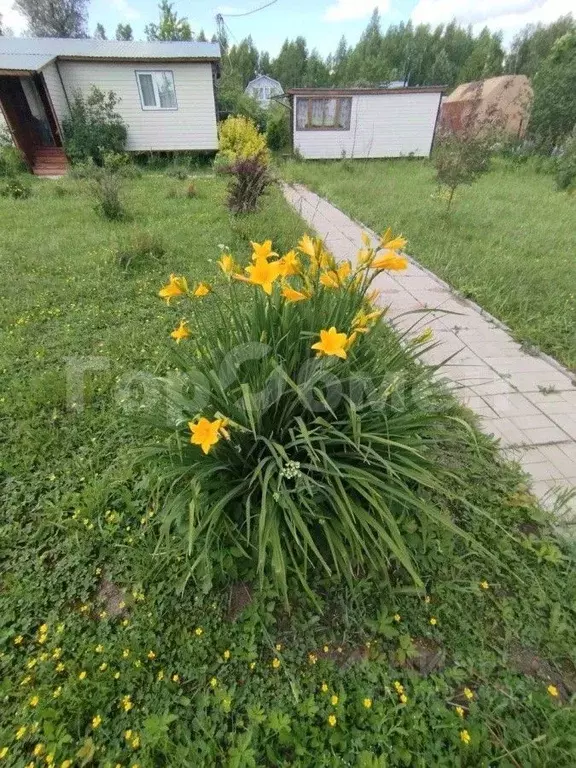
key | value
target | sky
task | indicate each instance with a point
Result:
(321, 22)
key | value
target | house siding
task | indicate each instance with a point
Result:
(381, 125)
(192, 126)
(55, 91)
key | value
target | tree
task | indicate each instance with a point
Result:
(241, 63)
(124, 32)
(170, 27)
(486, 59)
(55, 18)
(264, 63)
(201, 38)
(533, 44)
(553, 114)
(316, 73)
(290, 65)
(100, 32)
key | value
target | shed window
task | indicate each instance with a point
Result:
(157, 89)
(323, 113)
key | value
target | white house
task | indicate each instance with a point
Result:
(166, 91)
(262, 88)
(364, 122)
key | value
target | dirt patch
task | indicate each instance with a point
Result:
(429, 656)
(528, 662)
(112, 598)
(240, 597)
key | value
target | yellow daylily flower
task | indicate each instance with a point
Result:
(387, 240)
(330, 279)
(289, 264)
(364, 255)
(344, 270)
(262, 250)
(326, 260)
(362, 319)
(332, 343)
(390, 260)
(307, 246)
(291, 294)
(181, 332)
(177, 286)
(263, 273)
(201, 290)
(205, 433)
(366, 240)
(227, 264)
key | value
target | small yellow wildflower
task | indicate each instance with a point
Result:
(324, 688)
(31, 663)
(126, 703)
(128, 734)
(38, 750)
(84, 608)
(57, 692)
(25, 680)
(151, 655)
(83, 675)
(213, 682)
(427, 599)
(367, 703)
(43, 630)
(278, 646)
(21, 732)
(469, 694)
(18, 640)
(326, 649)
(433, 621)
(60, 628)
(252, 665)
(484, 584)
(125, 653)
(175, 678)
(276, 663)
(226, 655)
(3, 752)
(34, 701)
(460, 711)
(56, 653)
(399, 688)
(103, 667)
(66, 764)
(49, 759)
(312, 658)
(160, 675)
(96, 721)
(125, 622)
(334, 700)
(135, 743)
(43, 656)
(403, 698)
(465, 737)
(137, 663)
(116, 675)
(332, 720)
(99, 649)
(60, 667)
(397, 617)
(198, 631)
(553, 691)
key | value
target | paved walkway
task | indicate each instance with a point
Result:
(526, 400)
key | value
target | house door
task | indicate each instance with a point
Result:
(40, 124)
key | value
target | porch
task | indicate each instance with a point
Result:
(30, 116)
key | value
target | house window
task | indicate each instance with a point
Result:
(157, 89)
(323, 113)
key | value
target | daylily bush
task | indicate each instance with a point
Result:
(300, 438)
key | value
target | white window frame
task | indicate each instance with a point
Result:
(156, 107)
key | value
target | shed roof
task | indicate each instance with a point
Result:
(363, 91)
(33, 53)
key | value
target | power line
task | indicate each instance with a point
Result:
(248, 13)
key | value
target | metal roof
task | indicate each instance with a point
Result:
(33, 53)
(363, 91)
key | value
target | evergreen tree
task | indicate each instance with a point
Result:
(533, 44)
(170, 26)
(55, 18)
(202, 37)
(100, 32)
(290, 65)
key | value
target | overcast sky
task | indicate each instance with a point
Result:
(322, 22)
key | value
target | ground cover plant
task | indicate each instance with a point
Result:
(105, 660)
(508, 240)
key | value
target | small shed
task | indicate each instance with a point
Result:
(498, 102)
(263, 88)
(364, 122)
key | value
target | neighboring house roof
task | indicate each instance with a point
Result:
(20, 53)
(267, 78)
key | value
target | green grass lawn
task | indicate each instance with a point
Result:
(105, 661)
(509, 242)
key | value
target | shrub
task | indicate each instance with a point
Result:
(106, 188)
(249, 179)
(460, 160)
(566, 165)
(11, 161)
(18, 188)
(93, 127)
(278, 128)
(191, 190)
(239, 139)
(121, 164)
(140, 247)
(177, 171)
(302, 434)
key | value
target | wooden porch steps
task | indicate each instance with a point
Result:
(50, 161)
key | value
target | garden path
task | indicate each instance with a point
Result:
(526, 400)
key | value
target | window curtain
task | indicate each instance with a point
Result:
(166, 92)
(345, 112)
(301, 114)
(147, 88)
